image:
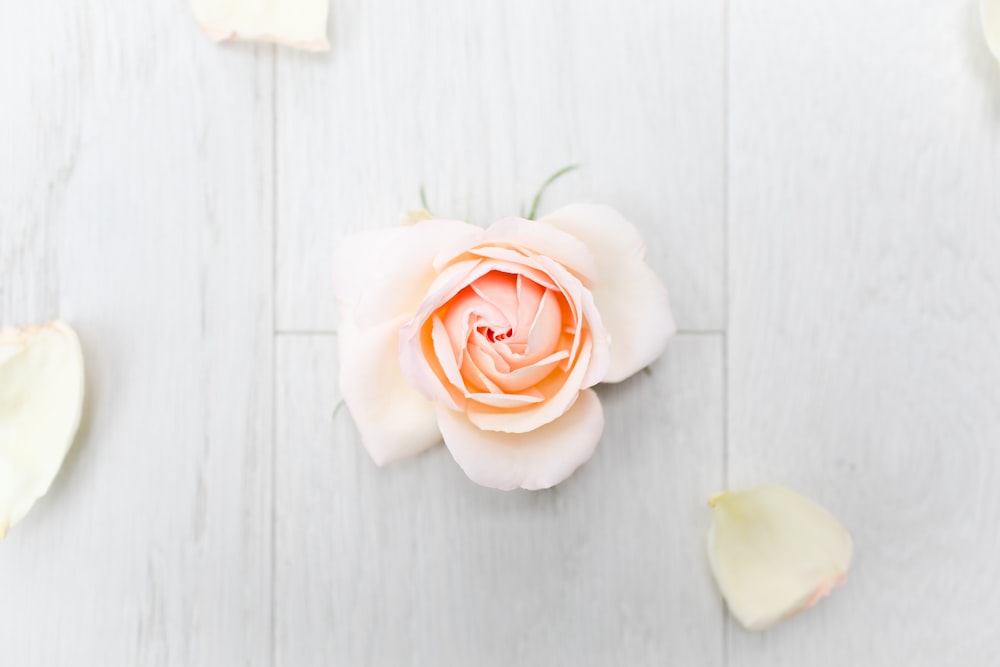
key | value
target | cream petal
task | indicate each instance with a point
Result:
(527, 235)
(990, 12)
(536, 460)
(387, 273)
(631, 299)
(41, 400)
(297, 23)
(413, 216)
(395, 421)
(774, 553)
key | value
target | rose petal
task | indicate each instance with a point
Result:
(535, 460)
(297, 23)
(394, 420)
(41, 400)
(387, 273)
(559, 401)
(413, 216)
(774, 553)
(543, 240)
(631, 299)
(990, 13)
(417, 361)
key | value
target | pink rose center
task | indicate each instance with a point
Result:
(493, 336)
(506, 336)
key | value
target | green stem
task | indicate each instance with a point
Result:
(552, 179)
(423, 200)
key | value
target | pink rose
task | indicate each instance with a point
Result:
(492, 338)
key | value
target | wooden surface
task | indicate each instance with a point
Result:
(818, 187)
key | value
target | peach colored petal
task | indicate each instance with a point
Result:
(300, 24)
(417, 357)
(536, 460)
(589, 317)
(394, 420)
(535, 416)
(774, 553)
(631, 299)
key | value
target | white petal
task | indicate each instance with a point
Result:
(774, 553)
(534, 460)
(631, 299)
(41, 399)
(394, 420)
(297, 23)
(990, 12)
(563, 248)
(386, 273)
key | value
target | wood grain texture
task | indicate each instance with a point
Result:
(136, 204)
(137, 200)
(865, 237)
(415, 565)
(480, 103)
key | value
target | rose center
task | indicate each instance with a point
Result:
(493, 335)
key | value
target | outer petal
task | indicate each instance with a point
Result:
(990, 12)
(774, 553)
(535, 460)
(394, 420)
(41, 399)
(631, 299)
(386, 273)
(297, 23)
(555, 244)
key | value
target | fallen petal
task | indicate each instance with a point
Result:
(774, 553)
(300, 24)
(41, 399)
(990, 12)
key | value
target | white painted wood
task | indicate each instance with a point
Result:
(863, 356)
(136, 177)
(415, 565)
(480, 102)
(135, 202)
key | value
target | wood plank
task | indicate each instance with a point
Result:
(414, 564)
(481, 102)
(863, 332)
(137, 204)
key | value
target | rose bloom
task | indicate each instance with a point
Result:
(491, 339)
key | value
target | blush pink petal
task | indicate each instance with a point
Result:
(394, 420)
(535, 416)
(582, 300)
(448, 283)
(536, 460)
(387, 273)
(633, 302)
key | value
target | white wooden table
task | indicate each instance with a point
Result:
(819, 184)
